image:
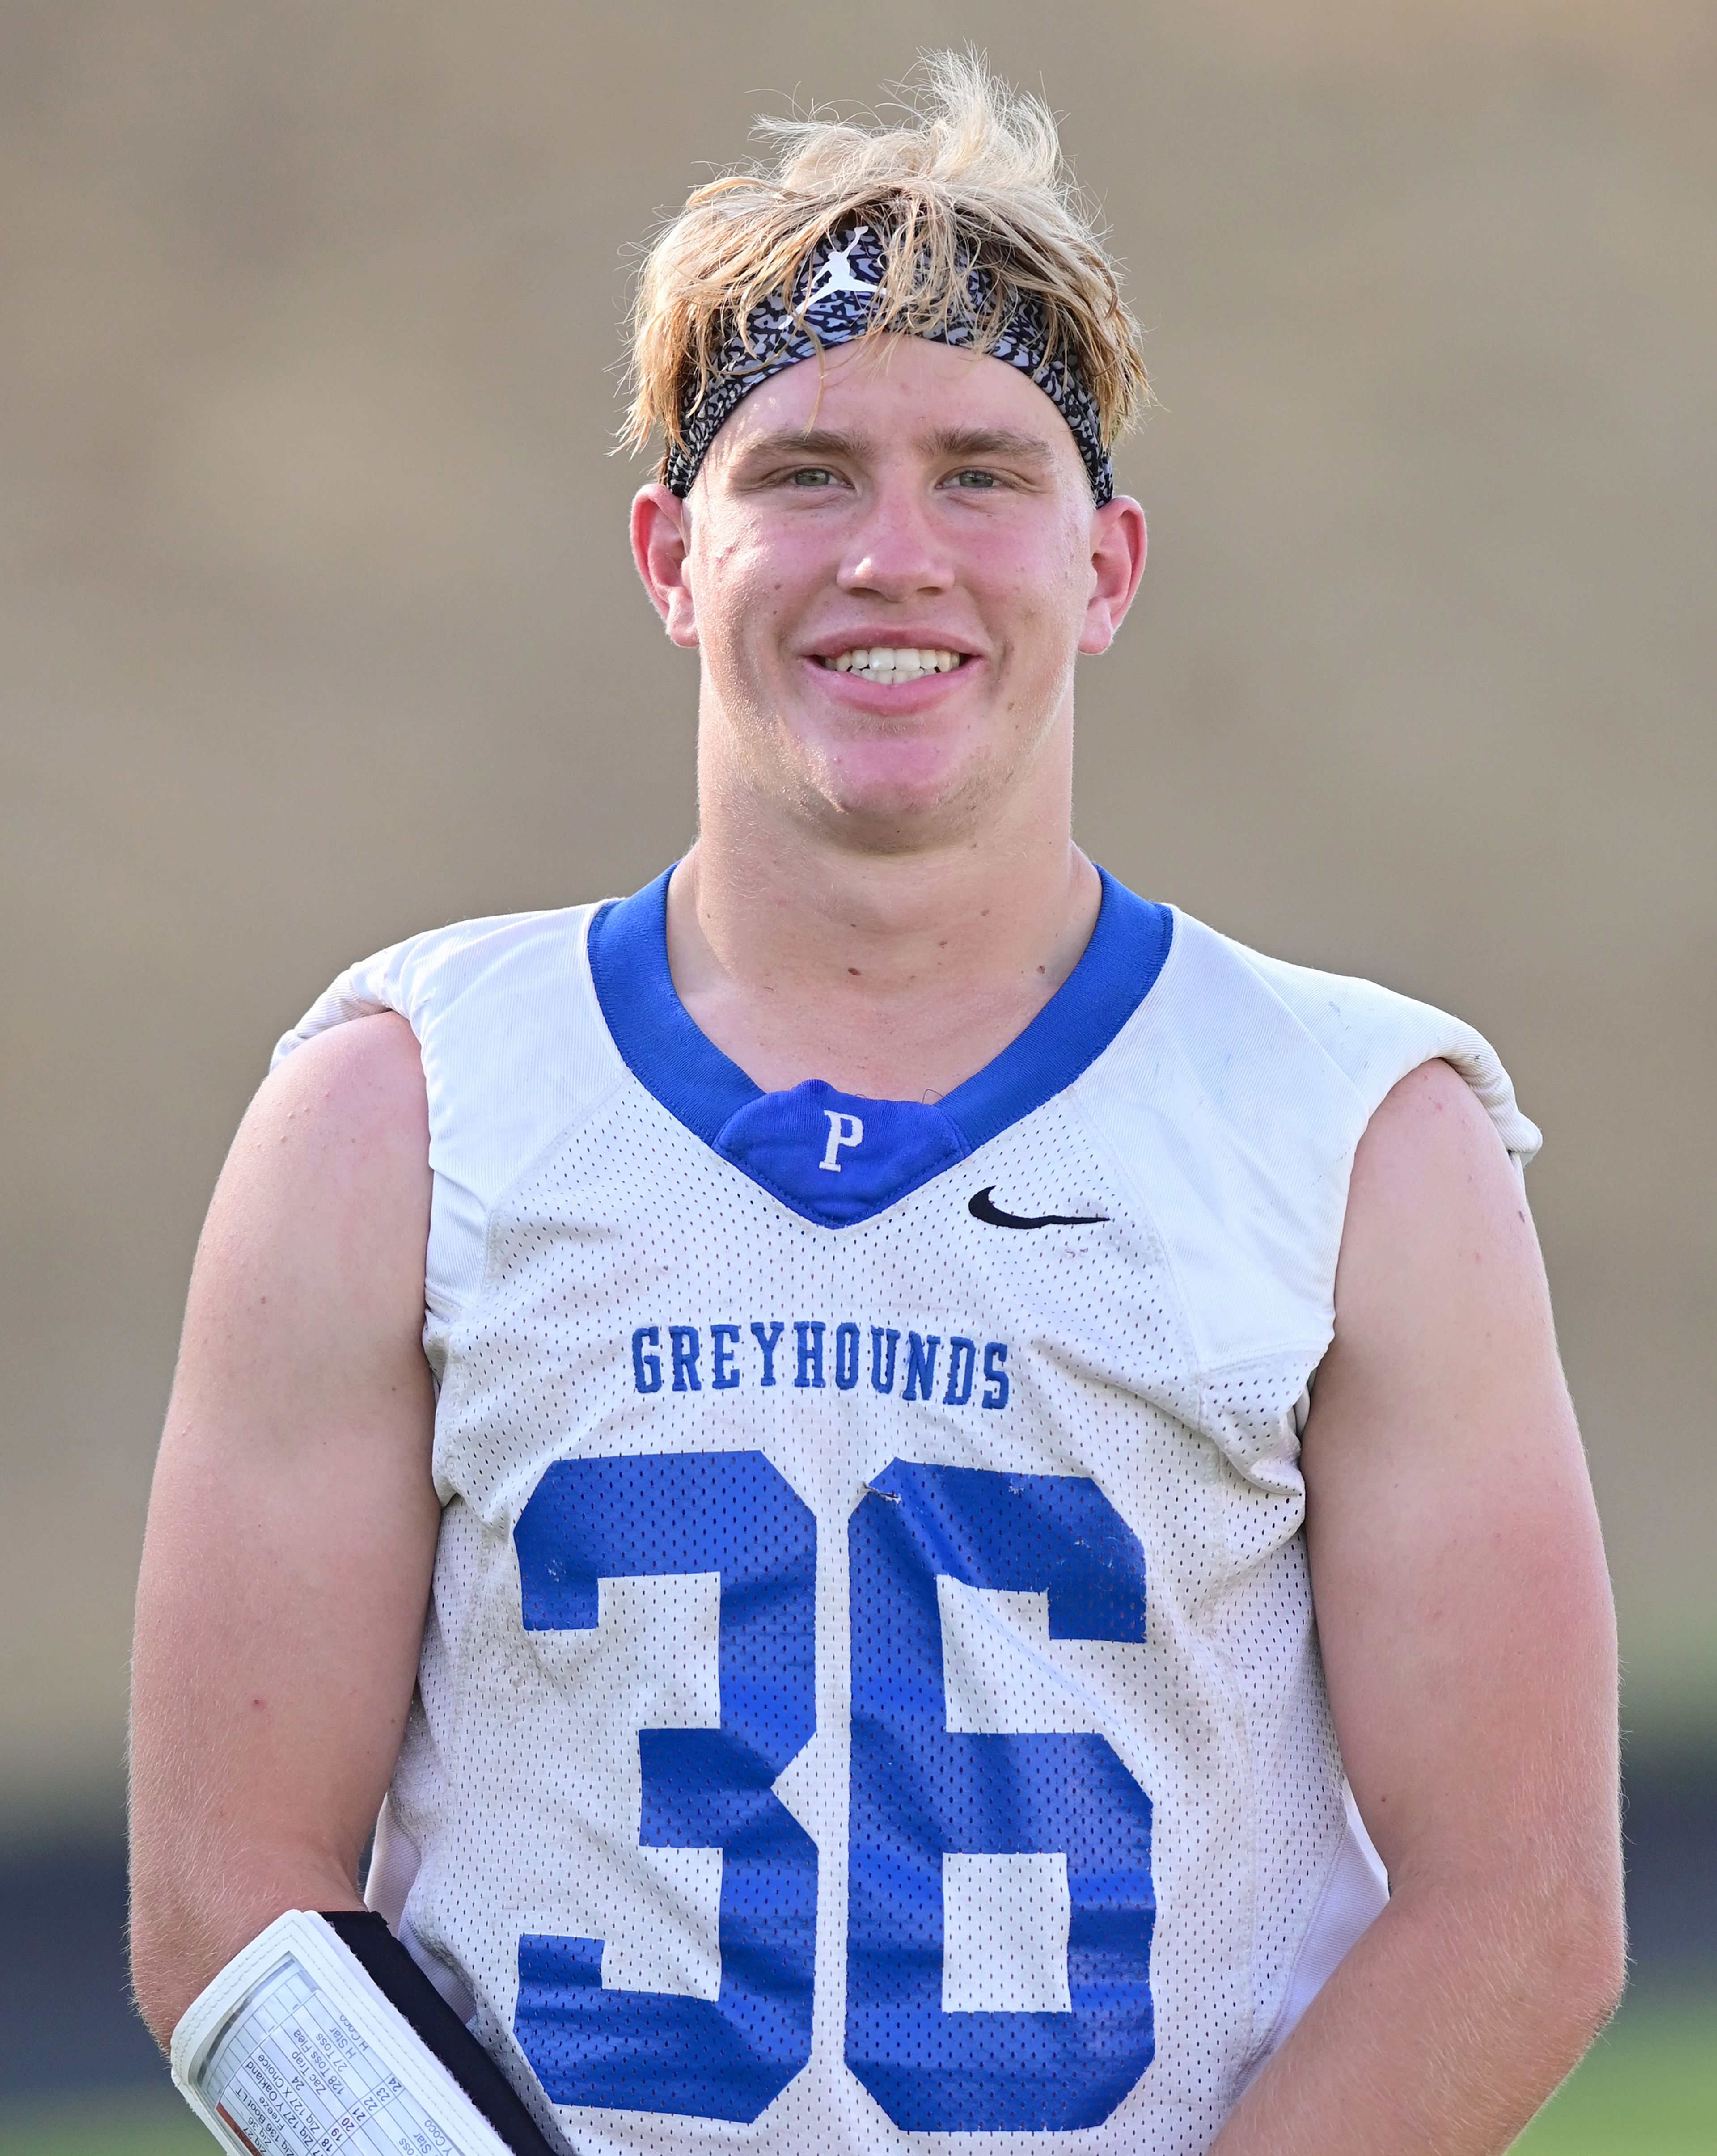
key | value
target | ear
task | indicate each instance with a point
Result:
(661, 544)
(1118, 549)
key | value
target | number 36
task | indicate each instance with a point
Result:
(921, 1791)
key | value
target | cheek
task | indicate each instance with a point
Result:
(1042, 588)
(730, 593)
(746, 586)
(1038, 562)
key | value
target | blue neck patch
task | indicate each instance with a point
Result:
(838, 1157)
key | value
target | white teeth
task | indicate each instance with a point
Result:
(894, 662)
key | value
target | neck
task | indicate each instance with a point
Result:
(892, 971)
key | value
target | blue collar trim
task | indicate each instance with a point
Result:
(662, 1048)
(779, 1139)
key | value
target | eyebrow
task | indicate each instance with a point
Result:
(989, 441)
(952, 442)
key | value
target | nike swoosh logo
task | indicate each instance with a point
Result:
(992, 1216)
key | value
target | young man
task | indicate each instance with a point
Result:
(975, 1453)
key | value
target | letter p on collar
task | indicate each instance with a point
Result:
(843, 1131)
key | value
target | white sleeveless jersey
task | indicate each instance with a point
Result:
(869, 1692)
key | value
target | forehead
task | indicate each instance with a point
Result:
(893, 390)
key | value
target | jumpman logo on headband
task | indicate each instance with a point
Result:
(836, 275)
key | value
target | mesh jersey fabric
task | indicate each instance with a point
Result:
(870, 1689)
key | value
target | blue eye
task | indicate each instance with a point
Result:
(812, 475)
(974, 482)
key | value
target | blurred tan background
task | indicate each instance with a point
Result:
(316, 625)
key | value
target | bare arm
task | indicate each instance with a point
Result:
(292, 1523)
(1464, 1613)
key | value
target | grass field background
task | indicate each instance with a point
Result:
(1648, 2088)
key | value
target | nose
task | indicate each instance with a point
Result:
(894, 550)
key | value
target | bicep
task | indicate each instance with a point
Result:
(293, 1520)
(1463, 1604)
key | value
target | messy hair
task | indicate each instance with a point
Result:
(972, 179)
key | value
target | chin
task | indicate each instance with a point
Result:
(909, 763)
(893, 809)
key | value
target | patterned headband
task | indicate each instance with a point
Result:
(843, 273)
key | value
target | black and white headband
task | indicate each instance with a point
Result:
(841, 281)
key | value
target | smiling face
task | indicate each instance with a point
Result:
(890, 564)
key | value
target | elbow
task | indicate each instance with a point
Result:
(155, 1984)
(182, 1925)
(1538, 1951)
(1598, 1970)
(170, 1889)
(1581, 1962)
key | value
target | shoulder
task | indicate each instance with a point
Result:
(1436, 1215)
(1232, 1107)
(337, 1139)
(499, 1021)
(359, 1085)
(311, 1262)
(1429, 1123)
(1317, 1029)
(423, 977)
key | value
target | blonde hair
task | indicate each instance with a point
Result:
(973, 179)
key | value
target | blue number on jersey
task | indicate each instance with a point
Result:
(919, 1790)
(728, 1512)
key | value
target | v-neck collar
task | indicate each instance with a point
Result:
(765, 1133)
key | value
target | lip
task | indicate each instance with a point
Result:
(859, 692)
(899, 637)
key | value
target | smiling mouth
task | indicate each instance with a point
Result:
(888, 662)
